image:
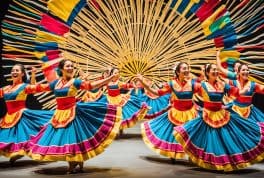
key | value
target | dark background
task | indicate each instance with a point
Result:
(31, 100)
(3, 9)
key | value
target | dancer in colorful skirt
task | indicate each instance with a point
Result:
(97, 93)
(157, 104)
(19, 123)
(132, 108)
(243, 103)
(77, 131)
(158, 133)
(220, 139)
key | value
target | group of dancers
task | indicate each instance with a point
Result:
(209, 119)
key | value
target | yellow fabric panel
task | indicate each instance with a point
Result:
(119, 100)
(205, 95)
(244, 112)
(216, 119)
(42, 36)
(62, 8)
(10, 120)
(180, 117)
(21, 96)
(224, 55)
(62, 118)
(39, 55)
(206, 24)
(72, 91)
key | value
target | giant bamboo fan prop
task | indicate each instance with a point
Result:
(137, 36)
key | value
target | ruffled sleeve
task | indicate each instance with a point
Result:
(29, 89)
(1, 93)
(231, 75)
(196, 86)
(231, 90)
(259, 88)
(165, 90)
(126, 85)
(85, 85)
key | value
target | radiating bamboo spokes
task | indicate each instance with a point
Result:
(138, 36)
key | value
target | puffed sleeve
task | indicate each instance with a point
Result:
(231, 75)
(85, 85)
(196, 87)
(126, 85)
(1, 93)
(165, 90)
(259, 88)
(231, 90)
(37, 88)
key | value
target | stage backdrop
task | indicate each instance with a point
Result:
(137, 36)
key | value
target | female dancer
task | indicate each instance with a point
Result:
(157, 104)
(97, 93)
(132, 109)
(243, 103)
(220, 139)
(77, 131)
(157, 133)
(19, 123)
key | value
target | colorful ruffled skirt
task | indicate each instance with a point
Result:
(14, 141)
(250, 112)
(157, 105)
(256, 114)
(93, 95)
(233, 146)
(133, 109)
(158, 133)
(94, 127)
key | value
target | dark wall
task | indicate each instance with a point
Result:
(258, 101)
(31, 100)
(3, 7)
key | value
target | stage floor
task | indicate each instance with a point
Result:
(127, 157)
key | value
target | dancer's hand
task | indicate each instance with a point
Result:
(33, 70)
(139, 77)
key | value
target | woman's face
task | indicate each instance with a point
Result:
(105, 74)
(116, 73)
(244, 72)
(213, 72)
(68, 69)
(184, 70)
(16, 73)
